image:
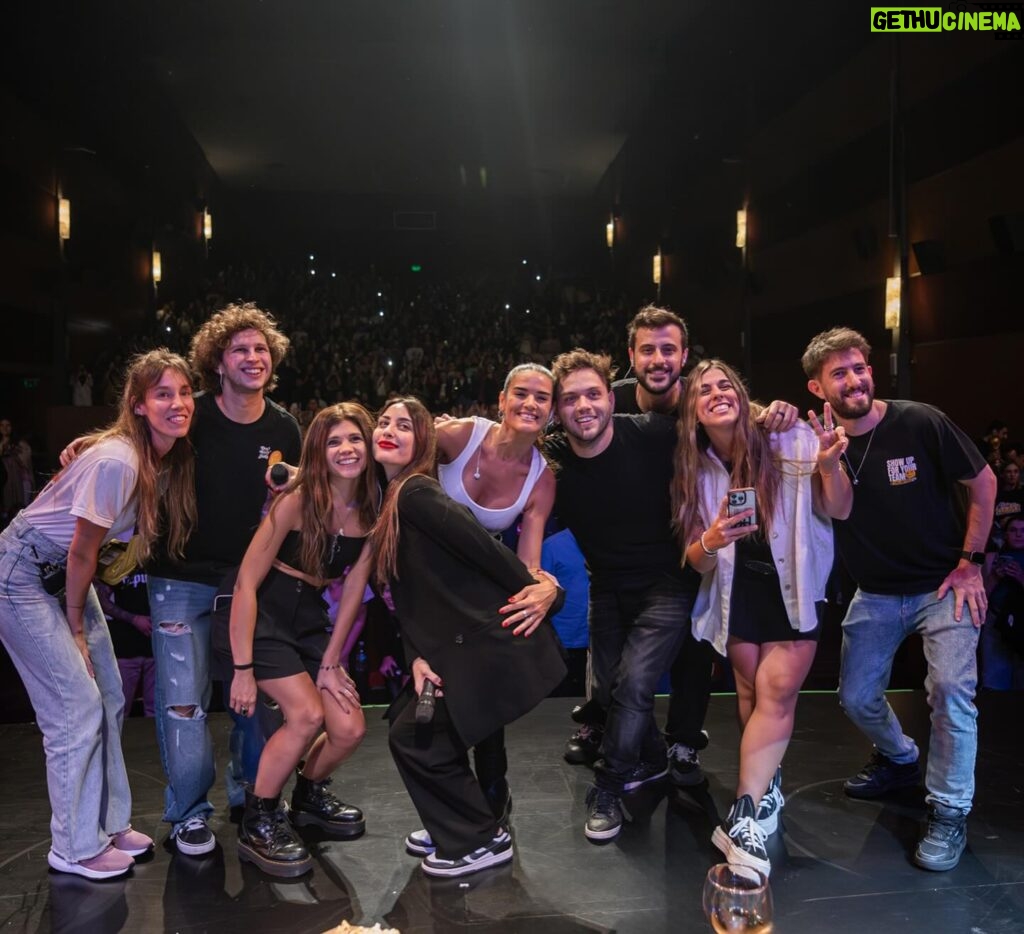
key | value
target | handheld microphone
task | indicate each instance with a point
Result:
(426, 702)
(279, 475)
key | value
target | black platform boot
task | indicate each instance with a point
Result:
(266, 838)
(313, 803)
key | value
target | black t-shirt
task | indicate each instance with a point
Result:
(129, 594)
(906, 530)
(619, 504)
(624, 391)
(231, 490)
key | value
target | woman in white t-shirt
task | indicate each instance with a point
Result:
(63, 652)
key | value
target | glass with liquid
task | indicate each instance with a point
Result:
(737, 899)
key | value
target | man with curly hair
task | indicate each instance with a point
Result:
(237, 433)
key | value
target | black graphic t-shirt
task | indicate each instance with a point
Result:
(907, 526)
(231, 490)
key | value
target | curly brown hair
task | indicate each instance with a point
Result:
(212, 339)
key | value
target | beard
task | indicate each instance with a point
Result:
(670, 384)
(851, 409)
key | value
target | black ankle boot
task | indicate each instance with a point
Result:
(266, 838)
(313, 803)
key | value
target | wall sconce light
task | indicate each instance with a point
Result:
(892, 302)
(207, 225)
(741, 228)
(64, 218)
(609, 232)
(157, 269)
(656, 268)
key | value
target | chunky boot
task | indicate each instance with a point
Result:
(266, 838)
(313, 803)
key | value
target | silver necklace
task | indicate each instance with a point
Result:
(479, 450)
(855, 474)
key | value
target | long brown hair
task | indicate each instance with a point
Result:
(313, 481)
(754, 464)
(384, 534)
(144, 372)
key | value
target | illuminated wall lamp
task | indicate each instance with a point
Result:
(892, 302)
(157, 268)
(207, 225)
(64, 218)
(609, 233)
(741, 228)
(656, 268)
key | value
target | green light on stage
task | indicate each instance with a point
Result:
(416, 267)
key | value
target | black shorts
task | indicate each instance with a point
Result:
(291, 628)
(757, 613)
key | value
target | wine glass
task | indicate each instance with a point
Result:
(737, 898)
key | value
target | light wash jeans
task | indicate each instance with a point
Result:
(180, 611)
(874, 628)
(80, 717)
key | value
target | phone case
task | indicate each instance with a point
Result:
(740, 501)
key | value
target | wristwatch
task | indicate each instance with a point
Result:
(975, 557)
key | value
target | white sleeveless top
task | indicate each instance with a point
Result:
(450, 478)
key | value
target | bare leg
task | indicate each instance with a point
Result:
(303, 715)
(780, 672)
(342, 736)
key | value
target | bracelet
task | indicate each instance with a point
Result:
(330, 667)
(244, 667)
(72, 606)
(706, 550)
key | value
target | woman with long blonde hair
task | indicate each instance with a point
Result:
(763, 572)
(64, 654)
(280, 644)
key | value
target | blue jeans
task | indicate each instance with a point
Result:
(874, 628)
(180, 611)
(80, 717)
(635, 633)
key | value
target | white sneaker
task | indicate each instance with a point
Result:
(419, 843)
(109, 864)
(770, 804)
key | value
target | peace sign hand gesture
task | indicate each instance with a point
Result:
(832, 441)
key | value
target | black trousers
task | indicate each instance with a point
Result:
(690, 677)
(434, 765)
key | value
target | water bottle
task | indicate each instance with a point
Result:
(359, 662)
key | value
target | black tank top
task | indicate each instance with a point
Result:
(343, 552)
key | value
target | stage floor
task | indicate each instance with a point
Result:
(838, 865)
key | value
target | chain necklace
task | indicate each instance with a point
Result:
(855, 474)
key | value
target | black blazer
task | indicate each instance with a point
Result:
(452, 577)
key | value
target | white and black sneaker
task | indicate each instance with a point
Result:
(193, 837)
(498, 851)
(419, 843)
(770, 805)
(741, 839)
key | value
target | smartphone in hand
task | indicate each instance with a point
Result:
(740, 501)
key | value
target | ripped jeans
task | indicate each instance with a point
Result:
(180, 611)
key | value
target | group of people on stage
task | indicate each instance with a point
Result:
(707, 525)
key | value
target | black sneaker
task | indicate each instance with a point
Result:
(944, 841)
(604, 815)
(645, 772)
(583, 746)
(194, 837)
(684, 765)
(589, 712)
(741, 838)
(498, 851)
(882, 775)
